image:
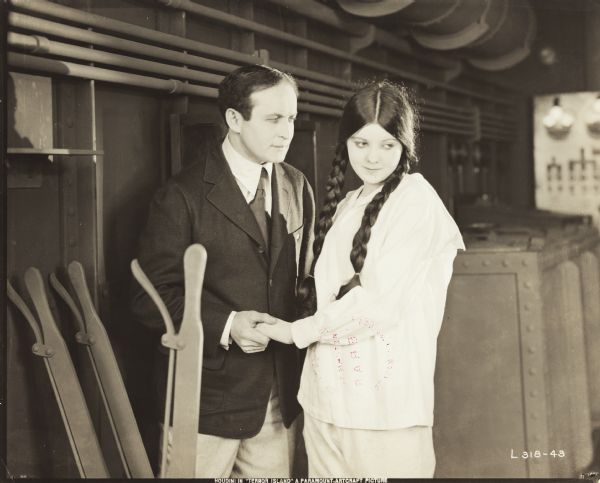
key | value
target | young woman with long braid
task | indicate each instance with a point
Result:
(383, 260)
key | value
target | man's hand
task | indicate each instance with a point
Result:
(245, 334)
(281, 331)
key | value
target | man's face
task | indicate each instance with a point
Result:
(267, 135)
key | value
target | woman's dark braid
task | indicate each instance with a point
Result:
(307, 296)
(362, 236)
(333, 196)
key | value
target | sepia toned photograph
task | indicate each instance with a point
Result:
(285, 241)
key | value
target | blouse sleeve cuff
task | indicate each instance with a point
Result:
(304, 332)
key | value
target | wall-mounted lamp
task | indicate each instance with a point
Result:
(592, 116)
(558, 121)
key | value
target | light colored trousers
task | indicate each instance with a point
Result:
(269, 454)
(334, 451)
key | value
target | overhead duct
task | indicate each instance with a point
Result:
(490, 34)
(509, 42)
(414, 12)
(435, 24)
(462, 24)
(374, 8)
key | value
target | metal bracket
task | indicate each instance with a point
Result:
(172, 342)
(84, 338)
(42, 350)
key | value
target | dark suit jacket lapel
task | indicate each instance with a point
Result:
(279, 213)
(226, 196)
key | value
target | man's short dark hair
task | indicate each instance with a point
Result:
(237, 87)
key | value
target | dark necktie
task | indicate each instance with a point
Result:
(258, 206)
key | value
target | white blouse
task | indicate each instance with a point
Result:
(371, 360)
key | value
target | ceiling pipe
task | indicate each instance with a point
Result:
(170, 86)
(155, 37)
(55, 29)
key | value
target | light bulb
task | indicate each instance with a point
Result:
(558, 121)
(592, 117)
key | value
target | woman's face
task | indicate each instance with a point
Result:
(374, 154)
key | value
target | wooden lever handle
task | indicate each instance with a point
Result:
(16, 299)
(194, 265)
(64, 294)
(146, 284)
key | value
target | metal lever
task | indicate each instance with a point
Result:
(108, 375)
(167, 340)
(146, 284)
(188, 375)
(83, 338)
(63, 378)
(16, 299)
(187, 347)
(66, 297)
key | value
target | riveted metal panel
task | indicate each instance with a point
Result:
(545, 307)
(590, 285)
(572, 318)
(478, 357)
(566, 379)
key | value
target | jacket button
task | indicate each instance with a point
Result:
(261, 250)
(270, 282)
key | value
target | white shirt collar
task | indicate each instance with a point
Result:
(359, 200)
(245, 171)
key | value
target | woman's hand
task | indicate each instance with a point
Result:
(281, 331)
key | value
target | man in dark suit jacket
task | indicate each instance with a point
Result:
(254, 214)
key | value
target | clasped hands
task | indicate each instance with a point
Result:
(252, 330)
